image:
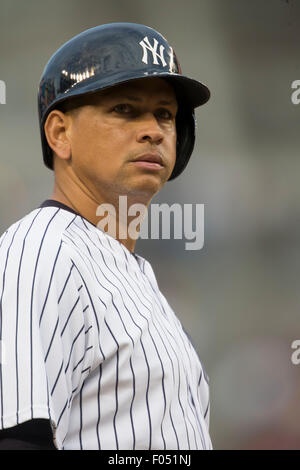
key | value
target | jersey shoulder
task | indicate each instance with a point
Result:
(37, 234)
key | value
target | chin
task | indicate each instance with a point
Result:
(145, 190)
(150, 183)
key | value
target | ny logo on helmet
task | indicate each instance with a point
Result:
(145, 43)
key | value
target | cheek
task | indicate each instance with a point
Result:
(98, 144)
(173, 146)
(88, 142)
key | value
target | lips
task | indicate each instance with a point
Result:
(151, 158)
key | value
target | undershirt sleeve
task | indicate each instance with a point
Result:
(31, 435)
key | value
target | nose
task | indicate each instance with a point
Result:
(149, 130)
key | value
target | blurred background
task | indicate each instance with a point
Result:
(239, 296)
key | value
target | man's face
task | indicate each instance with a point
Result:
(119, 125)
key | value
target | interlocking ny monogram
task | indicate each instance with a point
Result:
(145, 43)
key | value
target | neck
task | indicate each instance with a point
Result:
(109, 216)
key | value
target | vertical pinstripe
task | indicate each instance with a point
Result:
(1, 315)
(97, 348)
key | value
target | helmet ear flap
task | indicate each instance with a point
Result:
(185, 127)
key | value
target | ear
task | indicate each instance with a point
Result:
(56, 128)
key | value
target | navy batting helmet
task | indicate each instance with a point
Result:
(109, 55)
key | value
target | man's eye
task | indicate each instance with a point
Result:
(164, 114)
(123, 108)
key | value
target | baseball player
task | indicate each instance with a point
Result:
(92, 354)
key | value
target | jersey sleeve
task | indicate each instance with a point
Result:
(46, 334)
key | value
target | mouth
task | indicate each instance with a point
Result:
(150, 161)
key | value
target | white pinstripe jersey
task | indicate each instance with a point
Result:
(90, 343)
